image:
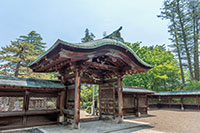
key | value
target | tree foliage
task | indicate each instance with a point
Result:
(16, 56)
(193, 85)
(164, 76)
(89, 36)
(184, 18)
(86, 92)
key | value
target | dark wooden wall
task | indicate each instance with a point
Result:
(108, 106)
(177, 102)
(26, 117)
(130, 104)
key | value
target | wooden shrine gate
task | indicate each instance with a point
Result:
(109, 108)
(101, 62)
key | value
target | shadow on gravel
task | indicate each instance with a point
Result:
(143, 116)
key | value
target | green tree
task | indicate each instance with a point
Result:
(35, 39)
(194, 12)
(184, 19)
(164, 76)
(168, 12)
(88, 36)
(86, 92)
(184, 28)
(16, 56)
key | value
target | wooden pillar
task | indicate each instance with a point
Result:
(137, 108)
(158, 102)
(76, 124)
(114, 103)
(169, 101)
(182, 102)
(120, 100)
(99, 101)
(62, 104)
(147, 101)
(25, 105)
(197, 101)
(57, 101)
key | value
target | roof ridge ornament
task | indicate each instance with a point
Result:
(116, 35)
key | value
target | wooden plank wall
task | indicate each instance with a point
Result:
(107, 101)
(130, 104)
(167, 102)
(26, 117)
(69, 106)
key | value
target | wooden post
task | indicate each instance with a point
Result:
(25, 105)
(147, 102)
(62, 103)
(120, 100)
(137, 113)
(99, 101)
(58, 101)
(114, 103)
(182, 102)
(158, 102)
(169, 101)
(76, 124)
(197, 101)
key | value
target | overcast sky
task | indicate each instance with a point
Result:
(68, 19)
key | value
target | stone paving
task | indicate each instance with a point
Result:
(98, 127)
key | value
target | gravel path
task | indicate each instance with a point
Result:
(173, 121)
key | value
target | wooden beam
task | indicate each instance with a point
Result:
(70, 76)
(11, 94)
(76, 124)
(102, 66)
(120, 100)
(68, 111)
(110, 80)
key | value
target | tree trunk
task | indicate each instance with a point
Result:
(17, 69)
(196, 51)
(185, 40)
(179, 57)
(18, 63)
(178, 50)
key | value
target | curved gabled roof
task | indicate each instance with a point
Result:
(94, 45)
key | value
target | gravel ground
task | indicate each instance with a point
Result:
(174, 121)
(85, 115)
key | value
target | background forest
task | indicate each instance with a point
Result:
(176, 66)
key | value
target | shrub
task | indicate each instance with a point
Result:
(88, 109)
(86, 104)
(193, 85)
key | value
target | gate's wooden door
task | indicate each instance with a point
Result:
(107, 101)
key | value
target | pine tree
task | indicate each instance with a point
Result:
(35, 39)
(182, 17)
(168, 12)
(88, 36)
(194, 12)
(184, 27)
(16, 56)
